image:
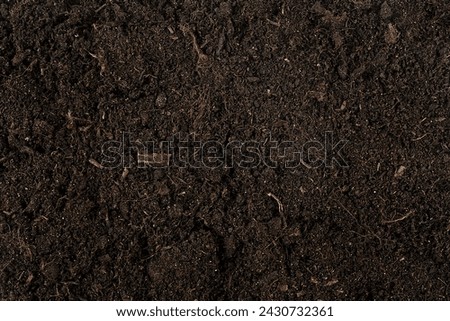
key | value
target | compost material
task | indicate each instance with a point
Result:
(77, 74)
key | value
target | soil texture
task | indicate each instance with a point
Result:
(75, 74)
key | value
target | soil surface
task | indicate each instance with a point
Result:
(75, 74)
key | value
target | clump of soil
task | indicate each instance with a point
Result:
(75, 74)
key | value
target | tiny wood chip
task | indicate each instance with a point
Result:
(154, 159)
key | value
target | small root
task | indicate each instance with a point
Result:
(125, 173)
(202, 58)
(274, 23)
(419, 138)
(96, 164)
(399, 219)
(280, 208)
(101, 8)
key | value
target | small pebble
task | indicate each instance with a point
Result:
(391, 35)
(400, 171)
(161, 100)
(283, 287)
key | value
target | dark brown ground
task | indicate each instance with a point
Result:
(75, 74)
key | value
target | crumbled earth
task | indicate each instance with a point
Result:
(75, 74)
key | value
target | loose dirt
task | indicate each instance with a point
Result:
(75, 74)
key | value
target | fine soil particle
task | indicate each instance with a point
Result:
(75, 74)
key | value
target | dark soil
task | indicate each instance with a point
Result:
(76, 73)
